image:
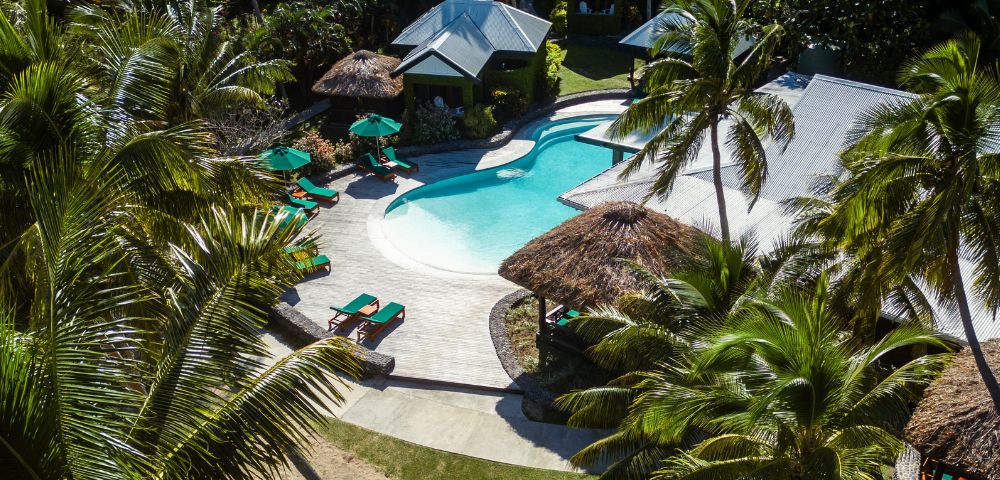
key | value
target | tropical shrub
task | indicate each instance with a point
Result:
(433, 125)
(479, 122)
(509, 102)
(304, 32)
(559, 19)
(553, 62)
(325, 154)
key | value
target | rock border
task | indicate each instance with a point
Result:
(510, 128)
(533, 390)
(303, 331)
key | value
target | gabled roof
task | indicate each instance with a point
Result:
(464, 34)
(644, 36)
(460, 47)
(824, 114)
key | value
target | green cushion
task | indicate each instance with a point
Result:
(562, 322)
(357, 304)
(312, 262)
(386, 313)
(571, 314)
(312, 189)
(301, 202)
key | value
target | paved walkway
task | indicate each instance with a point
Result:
(481, 424)
(445, 336)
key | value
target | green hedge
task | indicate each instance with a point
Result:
(586, 24)
(524, 79)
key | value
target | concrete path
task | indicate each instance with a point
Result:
(445, 336)
(477, 423)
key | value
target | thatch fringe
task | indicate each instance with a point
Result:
(362, 74)
(956, 422)
(579, 262)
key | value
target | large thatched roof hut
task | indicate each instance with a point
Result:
(956, 425)
(578, 263)
(359, 83)
(362, 74)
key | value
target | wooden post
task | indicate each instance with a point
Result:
(541, 314)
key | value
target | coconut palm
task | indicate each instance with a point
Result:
(109, 373)
(924, 184)
(172, 62)
(780, 391)
(696, 92)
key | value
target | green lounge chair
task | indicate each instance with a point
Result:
(374, 324)
(312, 264)
(350, 311)
(292, 214)
(301, 250)
(566, 317)
(369, 163)
(317, 192)
(307, 205)
(406, 165)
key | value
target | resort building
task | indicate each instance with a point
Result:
(594, 17)
(461, 50)
(825, 109)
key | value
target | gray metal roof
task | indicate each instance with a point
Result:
(458, 47)
(644, 36)
(823, 116)
(506, 28)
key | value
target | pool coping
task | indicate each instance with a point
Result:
(519, 145)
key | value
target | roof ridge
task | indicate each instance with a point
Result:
(860, 85)
(510, 19)
(481, 32)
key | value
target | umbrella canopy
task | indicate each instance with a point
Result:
(956, 423)
(362, 74)
(375, 126)
(577, 263)
(282, 158)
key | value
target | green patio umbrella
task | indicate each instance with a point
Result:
(375, 126)
(282, 159)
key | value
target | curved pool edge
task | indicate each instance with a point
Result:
(520, 145)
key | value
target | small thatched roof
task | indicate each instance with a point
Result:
(956, 422)
(362, 74)
(577, 262)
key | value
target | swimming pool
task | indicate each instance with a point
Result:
(472, 222)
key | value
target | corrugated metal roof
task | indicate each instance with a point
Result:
(823, 116)
(460, 46)
(506, 28)
(644, 36)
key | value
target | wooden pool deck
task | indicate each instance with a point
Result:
(445, 337)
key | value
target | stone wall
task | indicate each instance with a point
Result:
(302, 331)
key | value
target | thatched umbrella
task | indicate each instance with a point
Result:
(362, 74)
(956, 424)
(579, 262)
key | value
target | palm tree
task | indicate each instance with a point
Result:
(172, 62)
(781, 391)
(924, 184)
(692, 94)
(110, 377)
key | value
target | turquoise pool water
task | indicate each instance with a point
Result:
(472, 222)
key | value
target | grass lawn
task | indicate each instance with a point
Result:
(402, 460)
(587, 67)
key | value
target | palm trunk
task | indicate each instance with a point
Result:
(256, 11)
(649, 9)
(720, 195)
(970, 332)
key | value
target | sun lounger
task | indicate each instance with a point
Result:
(313, 191)
(350, 311)
(291, 214)
(406, 165)
(307, 205)
(566, 317)
(369, 163)
(302, 250)
(374, 324)
(312, 264)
